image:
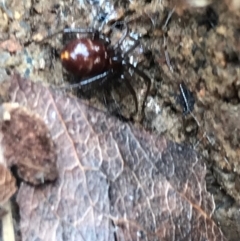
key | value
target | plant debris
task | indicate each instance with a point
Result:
(115, 181)
(27, 144)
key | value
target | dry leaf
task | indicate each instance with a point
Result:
(7, 182)
(28, 145)
(115, 182)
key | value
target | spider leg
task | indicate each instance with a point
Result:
(92, 31)
(79, 30)
(110, 102)
(108, 93)
(168, 17)
(50, 36)
(95, 33)
(95, 78)
(72, 31)
(145, 78)
(132, 91)
(88, 81)
(116, 110)
(120, 41)
(105, 101)
(136, 43)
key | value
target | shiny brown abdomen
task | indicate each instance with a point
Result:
(85, 57)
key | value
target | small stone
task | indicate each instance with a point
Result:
(17, 15)
(37, 37)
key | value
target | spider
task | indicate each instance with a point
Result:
(94, 61)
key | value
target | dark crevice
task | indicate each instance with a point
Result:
(232, 58)
(209, 19)
(114, 233)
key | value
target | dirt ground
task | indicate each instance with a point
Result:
(193, 61)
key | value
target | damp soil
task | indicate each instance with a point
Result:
(193, 61)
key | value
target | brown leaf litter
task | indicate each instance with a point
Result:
(115, 181)
(28, 145)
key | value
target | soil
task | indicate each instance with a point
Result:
(193, 61)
